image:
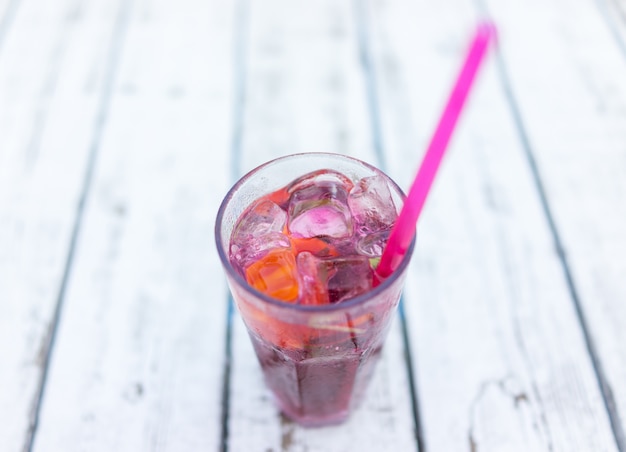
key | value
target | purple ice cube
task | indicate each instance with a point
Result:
(373, 244)
(320, 177)
(318, 207)
(259, 230)
(371, 205)
(313, 280)
(332, 280)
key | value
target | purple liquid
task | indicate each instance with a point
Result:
(316, 390)
(335, 229)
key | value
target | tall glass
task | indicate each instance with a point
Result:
(317, 360)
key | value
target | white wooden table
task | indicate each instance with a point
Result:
(124, 122)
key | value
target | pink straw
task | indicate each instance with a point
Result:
(404, 229)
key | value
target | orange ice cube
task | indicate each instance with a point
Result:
(275, 274)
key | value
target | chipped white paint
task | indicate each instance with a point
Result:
(139, 357)
(50, 78)
(304, 84)
(306, 92)
(614, 12)
(577, 129)
(501, 360)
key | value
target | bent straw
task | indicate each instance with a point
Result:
(404, 229)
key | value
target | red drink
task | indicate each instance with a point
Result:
(300, 257)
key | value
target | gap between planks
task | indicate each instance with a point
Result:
(603, 383)
(240, 34)
(363, 27)
(7, 19)
(113, 57)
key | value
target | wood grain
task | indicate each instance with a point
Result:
(305, 91)
(50, 77)
(139, 356)
(576, 133)
(122, 125)
(502, 362)
(614, 14)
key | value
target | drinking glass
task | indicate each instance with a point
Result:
(316, 360)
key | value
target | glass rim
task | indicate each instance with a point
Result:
(238, 278)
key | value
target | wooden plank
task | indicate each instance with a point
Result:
(579, 144)
(614, 12)
(139, 358)
(501, 358)
(50, 75)
(305, 91)
(8, 9)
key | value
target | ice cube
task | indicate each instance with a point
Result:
(373, 244)
(313, 280)
(315, 245)
(262, 218)
(254, 247)
(371, 205)
(258, 231)
(323, 176)
(319, 208)
(351, 276)
(331, 280)
(275, 274)
(319, 178)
